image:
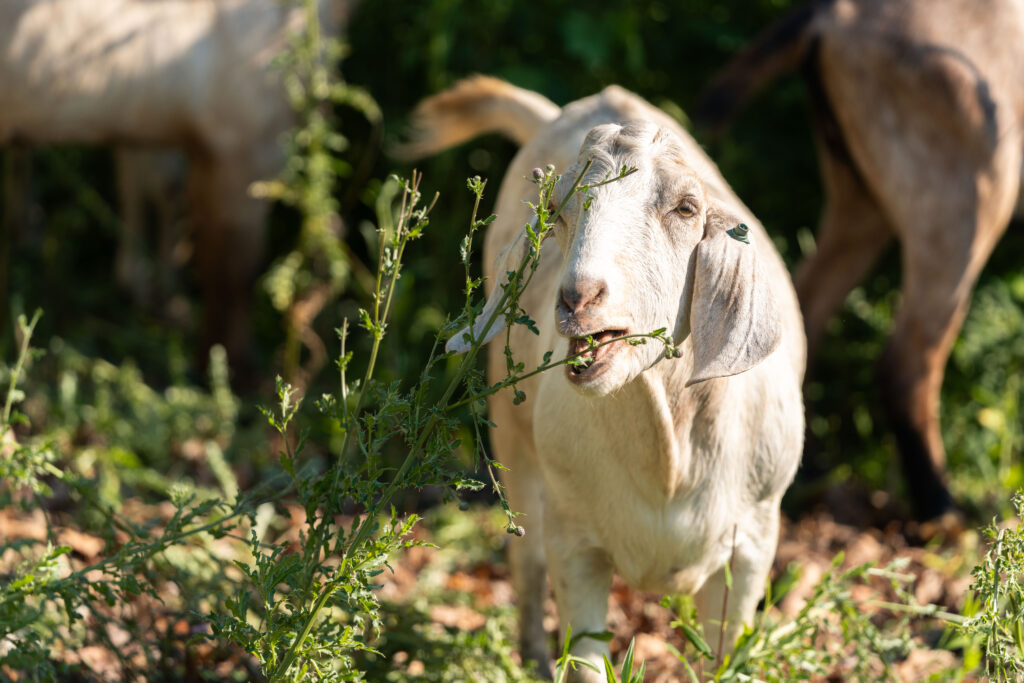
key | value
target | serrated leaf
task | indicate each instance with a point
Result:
(21, 583)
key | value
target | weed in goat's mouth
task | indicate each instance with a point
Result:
(590, 350)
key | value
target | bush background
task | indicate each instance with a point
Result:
(401, 52)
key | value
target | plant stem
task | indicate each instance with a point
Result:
(385, 291)
(542, 368)
(919, 610)
(725, 602)
(342, 367)
(26, 330)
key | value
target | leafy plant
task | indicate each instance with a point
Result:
(312, 275)
(316, 606)
(994, 627)
(831, 627)
(44, 601)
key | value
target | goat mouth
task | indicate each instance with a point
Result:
(592, 358)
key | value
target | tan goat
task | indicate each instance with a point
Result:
(919, 106)
(658, 469)
(192, 74)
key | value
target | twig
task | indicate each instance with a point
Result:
(725, 600)
(918, 610)
(26, 336)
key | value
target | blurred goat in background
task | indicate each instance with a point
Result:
(152, 196)
(194, 75)
(918, 108)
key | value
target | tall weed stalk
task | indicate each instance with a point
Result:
(304, 612)
(311, 276)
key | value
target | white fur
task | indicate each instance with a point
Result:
(650, 468)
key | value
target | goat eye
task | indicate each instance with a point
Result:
(686, 210)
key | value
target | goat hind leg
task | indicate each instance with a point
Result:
(940, 268)
(229, 246)
(852, 235)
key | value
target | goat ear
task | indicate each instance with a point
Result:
(508, 261)
(734, 322)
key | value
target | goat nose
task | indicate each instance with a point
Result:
(582, 293)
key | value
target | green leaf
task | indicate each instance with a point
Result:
(627, 660)
(21, 583)
(609, 670)
(1018, 635)
(603, 636)
(696, 640)
(567, 642)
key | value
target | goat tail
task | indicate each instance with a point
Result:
(778, 50)
(472, 107)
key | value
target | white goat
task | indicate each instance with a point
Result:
(658, 469)
(191, 74)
